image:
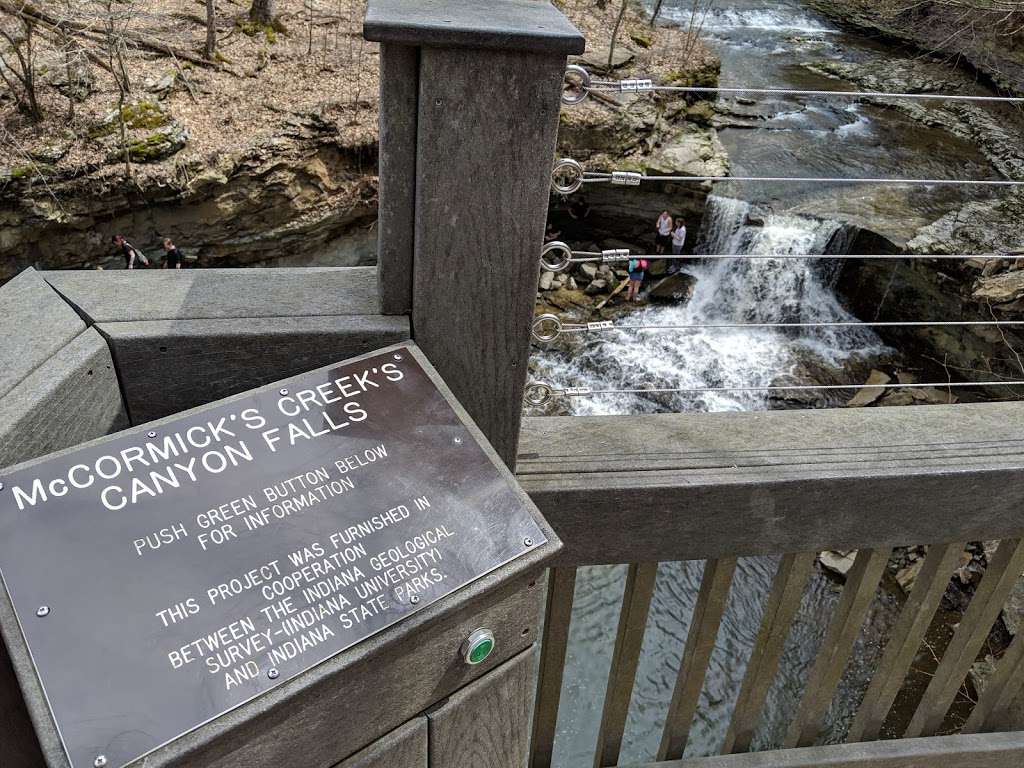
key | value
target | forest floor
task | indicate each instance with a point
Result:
(311, 63)
(258, 76)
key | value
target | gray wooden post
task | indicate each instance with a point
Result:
(489, 78)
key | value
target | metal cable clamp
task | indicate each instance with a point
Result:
(627, 178)
(615, 256)
(636, 85)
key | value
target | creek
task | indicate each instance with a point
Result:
(776, 136)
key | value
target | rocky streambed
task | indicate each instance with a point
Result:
(787, 45)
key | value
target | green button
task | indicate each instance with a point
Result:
(478, 646)
(481, 651)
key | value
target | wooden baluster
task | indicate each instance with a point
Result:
(858, 594)
(914, 620)
(561, 587)
(1000, 691)
(783, 603)
(1003, 571)
(700, 642)
(636, 602)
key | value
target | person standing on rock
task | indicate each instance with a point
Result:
(678, 241)
(132, 255)
(663, 238)
(636, 278)
(172, 256)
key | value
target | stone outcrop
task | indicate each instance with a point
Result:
(987, 40)
(291, 195)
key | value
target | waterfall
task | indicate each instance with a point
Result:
(727, 291)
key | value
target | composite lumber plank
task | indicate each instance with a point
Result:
(71, 398)
(557, 617)
(844, 628)
(391, 677)
(524, 25)
(700, 642)
(636, 604)
(1000, 577)
(783, 602)
(487, 723)
(482, 192)
(905, 640)
(37, 323)
(169, 366)
(738, 484)
(202, 294)
(993, 750)
(404, 747)
(399, 93)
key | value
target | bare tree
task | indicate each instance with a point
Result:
(263, 11)
(116, 21)
(18, 66)
(615, 33)
(211, 29)
(656, 12)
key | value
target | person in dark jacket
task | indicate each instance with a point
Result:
(173, 258)
(132, 255)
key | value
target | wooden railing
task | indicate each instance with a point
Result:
(718, 487)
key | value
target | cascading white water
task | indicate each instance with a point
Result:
(730, 291)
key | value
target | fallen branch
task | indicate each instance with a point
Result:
(142, 40)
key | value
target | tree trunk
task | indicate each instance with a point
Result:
(211, 28)
(656, 12)
(615, 33)
(263, 11)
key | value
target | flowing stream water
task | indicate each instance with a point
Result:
(761, 44)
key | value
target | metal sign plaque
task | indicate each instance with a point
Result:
(164, 577)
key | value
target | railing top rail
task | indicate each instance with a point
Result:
(522, 25)
(692, 486)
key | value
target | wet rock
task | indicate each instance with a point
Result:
(596, 286)
(588, 272)
(1013, 611)
(867, 396)
(838, 562)
(907, 575)
(1000, 289)
(981, 672)
(677, 287)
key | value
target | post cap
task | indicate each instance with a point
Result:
(521, 25)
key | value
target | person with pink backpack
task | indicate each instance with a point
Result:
(636, 267)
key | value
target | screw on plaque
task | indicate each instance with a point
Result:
(100, 761)
(458, 441)
(528, 541)
(284, 390)
(273, 674)
(43, 611)
(397, 357)
(414, 599)
(151, 433)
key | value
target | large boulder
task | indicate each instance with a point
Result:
(677, 287)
